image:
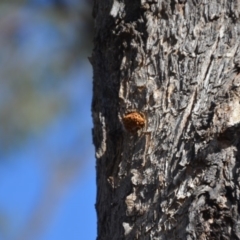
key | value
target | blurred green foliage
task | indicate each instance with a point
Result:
(39, 44)
(42, 43)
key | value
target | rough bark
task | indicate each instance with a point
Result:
(175, 66)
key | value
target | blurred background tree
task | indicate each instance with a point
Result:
(47, 175)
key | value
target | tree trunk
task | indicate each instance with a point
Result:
(166, 112)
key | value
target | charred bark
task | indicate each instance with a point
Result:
(166, 113)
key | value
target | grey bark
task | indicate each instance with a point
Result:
(176, 64)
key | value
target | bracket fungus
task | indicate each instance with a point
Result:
(133, 121)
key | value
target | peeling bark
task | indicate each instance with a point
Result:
(176, 64)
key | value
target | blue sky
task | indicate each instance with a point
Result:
(23, 177)
(47, 178)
